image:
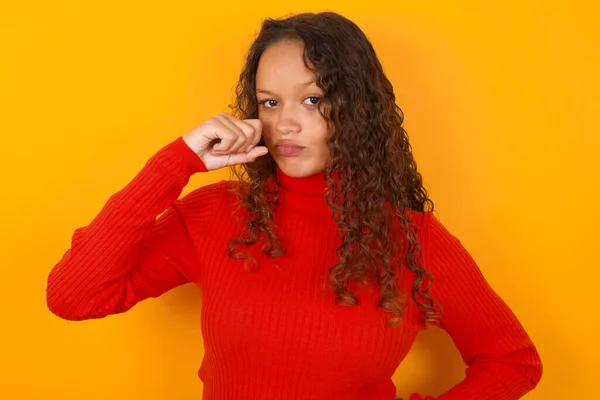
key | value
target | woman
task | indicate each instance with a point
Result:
(321, 264)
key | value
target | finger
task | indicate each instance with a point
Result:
(229, 121)
(242, 140)
(256, 152)
(243, 158)
(257, 126)
(246, 132)
(226, 136)
(252, 128)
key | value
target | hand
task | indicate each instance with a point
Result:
(224, 140)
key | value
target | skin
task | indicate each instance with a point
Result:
(288, 97)
(293, 129)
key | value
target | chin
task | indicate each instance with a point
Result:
(299, 170)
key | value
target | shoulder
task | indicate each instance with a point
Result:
(422, 222)
(222, 188)
(208, 198)
(439, 247)
(444, 255)
(438, 239)
(431, 232)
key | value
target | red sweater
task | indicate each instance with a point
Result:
(276, 333)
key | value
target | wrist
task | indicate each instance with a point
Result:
(193, 146)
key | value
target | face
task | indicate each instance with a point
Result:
(288, 96)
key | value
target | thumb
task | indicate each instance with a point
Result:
(243, 158)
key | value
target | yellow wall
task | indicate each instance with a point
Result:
(499, 103)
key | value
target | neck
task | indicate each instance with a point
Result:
(306, 194)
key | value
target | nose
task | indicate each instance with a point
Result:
(287, 121)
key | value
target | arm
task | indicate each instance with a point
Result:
(502, 362)
(127, 254)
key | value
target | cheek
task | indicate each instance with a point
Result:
(319, 139)
(323, 132)
(268, 127)
(316, 125)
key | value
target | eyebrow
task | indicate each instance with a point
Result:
(305, 84)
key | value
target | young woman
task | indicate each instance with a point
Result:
(321, 264)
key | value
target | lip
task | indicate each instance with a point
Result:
(287, 148)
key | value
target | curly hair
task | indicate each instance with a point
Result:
(377, 179)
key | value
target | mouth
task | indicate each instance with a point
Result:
(286, 148)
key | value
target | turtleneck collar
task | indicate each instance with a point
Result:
(313, 185)
(306, 194)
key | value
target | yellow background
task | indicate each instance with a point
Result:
(500, 102)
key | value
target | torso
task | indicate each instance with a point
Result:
(281, 321)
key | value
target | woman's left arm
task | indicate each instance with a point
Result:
(502, 361)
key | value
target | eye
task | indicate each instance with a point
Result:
(312, 100)
(268, 103)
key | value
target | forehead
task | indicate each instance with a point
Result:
(282, 65)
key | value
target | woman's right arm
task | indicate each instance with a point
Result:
(127, 253)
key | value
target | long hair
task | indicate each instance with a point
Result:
(376, 182)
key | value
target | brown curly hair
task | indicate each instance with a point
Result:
(378, 179)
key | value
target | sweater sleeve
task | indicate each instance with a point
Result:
(137, 246)
(502, 362)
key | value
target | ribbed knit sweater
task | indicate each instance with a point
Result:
(277, 333)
